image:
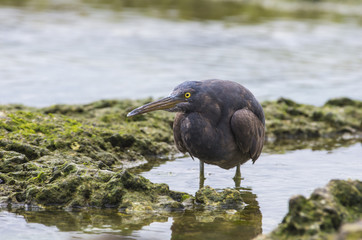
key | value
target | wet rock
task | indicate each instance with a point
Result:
(287, 102)
(209, 198)
(79, 188)
(107, 158)
(212, 222)
(30, 151)
(286, 119)
(11, 161)
(323, 214)
(342, 102)
(122, 141)
(76, 155)
(64, 109)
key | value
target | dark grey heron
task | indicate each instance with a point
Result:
(219, 122)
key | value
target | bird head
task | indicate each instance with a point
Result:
(180, 99)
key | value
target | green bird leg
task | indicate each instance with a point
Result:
(202, 175)
(237, 178)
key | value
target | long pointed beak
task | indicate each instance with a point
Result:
(162, 104)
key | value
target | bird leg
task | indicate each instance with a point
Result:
(237, 178)
(202, 175)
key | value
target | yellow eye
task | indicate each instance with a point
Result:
(187, 95)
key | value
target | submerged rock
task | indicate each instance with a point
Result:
(210, 199)
(323, 214)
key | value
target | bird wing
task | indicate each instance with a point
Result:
(248, 131)
(177, 132)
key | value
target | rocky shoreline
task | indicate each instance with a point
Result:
(81, 156)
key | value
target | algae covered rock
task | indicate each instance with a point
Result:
(185, 224)
(69, 182)
(286, 119)
(70, 185)
(209, 198)
(77, 155)
(323, 213)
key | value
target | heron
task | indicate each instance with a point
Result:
(219, 122)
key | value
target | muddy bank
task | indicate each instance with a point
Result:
(75, 156)
(332, 212)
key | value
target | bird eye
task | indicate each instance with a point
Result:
(187, 95)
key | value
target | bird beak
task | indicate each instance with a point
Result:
(162, 104)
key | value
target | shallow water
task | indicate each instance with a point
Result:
(274, 178)
(78, 54)
(73, 52)
(266, 188)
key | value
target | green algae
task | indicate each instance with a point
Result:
(209, 198)
(286, 119)
(323, 213)
(231, 11)
(87, 156)
(76, 156)
(187, 224)
(192, 222)
(65, 157)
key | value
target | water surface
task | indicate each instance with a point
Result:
(274, 178)
(78, 54)
(266, 188)
(81, 51)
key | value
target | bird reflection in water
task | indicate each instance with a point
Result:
(219, 122)
(243, 224)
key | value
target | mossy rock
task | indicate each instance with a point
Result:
(286, 119)
(71, 155)
(209, 198)
(323, 214)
